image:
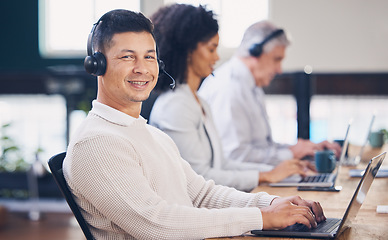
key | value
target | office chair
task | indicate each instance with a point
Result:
(146, 106)
(55, 164)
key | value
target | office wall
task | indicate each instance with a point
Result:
(334, 36)
(330, 35)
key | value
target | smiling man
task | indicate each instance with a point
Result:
(131, 73)
(236, 97)
(129, 178)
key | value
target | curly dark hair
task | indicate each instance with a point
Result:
(178, 28)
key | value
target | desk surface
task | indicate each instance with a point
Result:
(368, 223)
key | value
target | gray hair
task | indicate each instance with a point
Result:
(256, 33)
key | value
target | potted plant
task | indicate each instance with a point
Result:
(13, 167)
(385, 132)
(15, 171)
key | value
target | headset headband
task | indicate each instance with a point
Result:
(257, 49)
(271, 36)
(90, 39)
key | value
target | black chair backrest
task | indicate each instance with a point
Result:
(55, 164)
(146, 106)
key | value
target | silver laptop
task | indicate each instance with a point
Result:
(318, 180)
(354, 161)
(332, 227)
(382, 173)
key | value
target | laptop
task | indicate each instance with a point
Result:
(382, 173)
(332, 227)
(321, 180)
(354, 161)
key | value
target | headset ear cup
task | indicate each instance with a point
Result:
(101, 63)
(90, 64)
(95, 64)
(256, 50)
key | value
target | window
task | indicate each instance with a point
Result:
(233, 16)
(64, 26)
(329, 116)
(281, 110)
(36, 121)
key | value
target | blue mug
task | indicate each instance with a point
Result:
(376, 139)
(325, 161)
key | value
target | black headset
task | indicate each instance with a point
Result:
(257, 49)
(95, 62)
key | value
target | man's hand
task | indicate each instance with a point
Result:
(335, 147)
(286, 169)
(284, 212)
(305, 148)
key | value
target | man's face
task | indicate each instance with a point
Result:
(268, 65)
(132, 70)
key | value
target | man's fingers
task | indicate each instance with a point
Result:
(303, 215)
(318, 211)
(291, 210)
(314, 206)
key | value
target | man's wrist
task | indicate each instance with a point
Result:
(273, 200)
(264, 177)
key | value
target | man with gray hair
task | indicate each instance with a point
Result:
(235, 95)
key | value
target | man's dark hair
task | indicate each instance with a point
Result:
(178, 30)
(119, 21)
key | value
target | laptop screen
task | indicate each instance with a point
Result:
(362, 190)
(344, 150)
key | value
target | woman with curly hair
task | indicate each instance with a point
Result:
(187, 39)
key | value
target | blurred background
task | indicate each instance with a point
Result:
(335, 69)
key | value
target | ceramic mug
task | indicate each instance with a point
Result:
(325, 161)
(376, 139)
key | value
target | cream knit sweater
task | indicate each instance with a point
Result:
(131, 183)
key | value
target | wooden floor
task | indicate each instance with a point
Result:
(58, 226)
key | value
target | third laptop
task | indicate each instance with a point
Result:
(318, 180)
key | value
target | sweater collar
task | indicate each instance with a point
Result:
(113, 115)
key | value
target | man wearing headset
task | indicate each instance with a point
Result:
(128, 177)
(235, 95)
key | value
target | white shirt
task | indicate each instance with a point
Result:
(131, 183)
(239, 112)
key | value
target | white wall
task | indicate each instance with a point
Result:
(329, 35)
(333, 35)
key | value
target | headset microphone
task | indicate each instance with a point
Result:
(172, 85)
(161, 69)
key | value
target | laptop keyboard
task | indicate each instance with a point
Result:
(323, 177)
(327, 226)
